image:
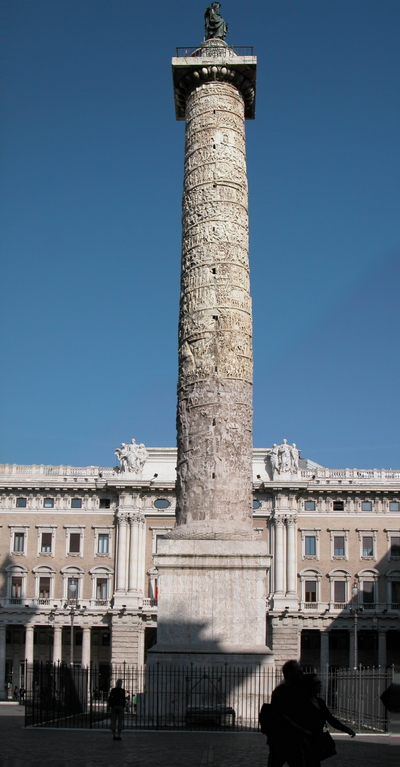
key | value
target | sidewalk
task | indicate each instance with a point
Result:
(82, 748)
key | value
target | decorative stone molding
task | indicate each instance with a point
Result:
(214, 61)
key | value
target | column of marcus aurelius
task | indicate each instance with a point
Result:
(214, 91)
(212, 567)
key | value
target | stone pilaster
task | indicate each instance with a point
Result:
(122, 540)
(125, 639)
(382, 648)
(324, 651)
(29, 644)
(57, 644)
(3, 694)
(279, 556)
(291, 525)
(86, 636)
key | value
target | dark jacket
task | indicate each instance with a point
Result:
(116, 697)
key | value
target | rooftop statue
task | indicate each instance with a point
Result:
(132, 457)
(215, 26)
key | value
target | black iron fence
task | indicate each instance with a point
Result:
(187, 698)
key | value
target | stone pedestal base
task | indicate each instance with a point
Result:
(212, 594)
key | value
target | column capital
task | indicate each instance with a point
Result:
(136, 518)
(122, 518)
(291, 519)
(214, 61)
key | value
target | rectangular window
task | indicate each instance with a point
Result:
(19, 540)
(101, 588)
(103, 541)
(310, 591)
(339, 588)
(74, 543)
(368, 546)
(338, 505)
(45, 547)
(76, 503)
(338, 545)
(44, 588)
(16, 588)
(394, 506)
(368, 593)
(366, 506)
(21, 503)
(48, 503)
(105, 503)
(396, 592)
(72, 590)
(395, 546)
(311, 546)
(310, 505)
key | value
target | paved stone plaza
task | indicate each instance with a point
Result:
(81, 748)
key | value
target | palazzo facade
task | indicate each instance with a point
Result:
(77, 547)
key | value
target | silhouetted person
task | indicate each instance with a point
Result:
(313, 715)
(287, 737)
(116, 701)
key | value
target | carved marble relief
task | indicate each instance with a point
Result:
(214, 416)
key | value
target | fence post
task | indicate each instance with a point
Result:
(90, 697)
(360, 701)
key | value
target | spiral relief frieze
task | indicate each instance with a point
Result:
(214, 415)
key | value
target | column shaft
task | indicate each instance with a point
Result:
(133, 554)
(382, 648)
(29, 644)
(86, 634)
(279, 556)
(121, 552)
(57, 644)
(291, 556)
(214, 416)
(3, 694)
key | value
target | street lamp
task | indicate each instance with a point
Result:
(355, 593)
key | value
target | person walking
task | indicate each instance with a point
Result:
(116, 701)
(286, 736)
(313, 715)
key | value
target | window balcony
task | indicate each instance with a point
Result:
(339, 607)
(149, 602)
(308, 607)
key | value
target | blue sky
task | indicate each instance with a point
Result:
(92, 167)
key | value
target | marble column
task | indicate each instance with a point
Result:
(382, 648)
(291, 556)
(142, 555)
(29, 643)
(134, 521)
(279, 555)
(351, 648)
(122, 521)
(324, 651)
(3, 694)
(214, 414)
(57, 644)
(86, 635)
